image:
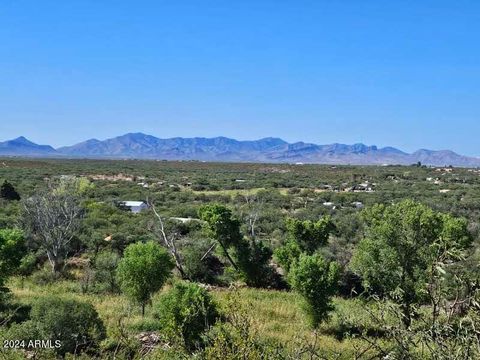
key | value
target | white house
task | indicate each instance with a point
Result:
(134, 206)
(358, 204)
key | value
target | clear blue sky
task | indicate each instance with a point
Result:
(402, 73)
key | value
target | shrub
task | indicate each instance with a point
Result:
(310, 235)
(143, 271)
(287, 254)
(45, 276)
(252, 258)
(316, 280)
(198, 266)
(27, 266)
(187, 310)
(105, 270)
(12, 247)
(407, 247)
(75, 324)
(8, 192)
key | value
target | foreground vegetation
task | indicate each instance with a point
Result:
(248, 261)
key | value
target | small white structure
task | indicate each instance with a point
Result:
(134, 206)
(184, 220)
(358, 204)
(328, 204)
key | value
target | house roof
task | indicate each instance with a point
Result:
(133, 203)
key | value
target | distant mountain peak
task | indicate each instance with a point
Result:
(21, 146)
(137, 145)
(22, 140)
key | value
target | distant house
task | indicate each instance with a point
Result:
(363, 187)
(358, 204)
(184, 220)
(134, 206)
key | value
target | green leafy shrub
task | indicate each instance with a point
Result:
(310, 235)
(11, 251)
(143, 270)
(106, 264)
(407, 245)
(253, 260)
(45, 276)
(316, 280)
(186, 310)
(287, 254)
(74, 324)
(8, 192)
(251, 257)
(198, 266)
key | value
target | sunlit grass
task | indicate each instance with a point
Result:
(275, 315)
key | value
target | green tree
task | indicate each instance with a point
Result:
(253, 260)
(12, 248)
(317, 281)
(11, 251)
(285, 255)
(200, 264)
(221, 226)
(251, 257)
(310, 235)
(303, 237)
(26, 267)
(8, 192)
(402, 244)
(143, 270)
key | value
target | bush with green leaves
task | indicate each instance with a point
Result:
(8, 192)
(251, 256)
(303, 237)
(11, 251)
(74, 324)
(143, 270)
(286, 255)
(187, 311)
(105, 269)
(406, 247)
(200, 263)
(27, 266)
(316, 279)
(310, 235)
(223, 227)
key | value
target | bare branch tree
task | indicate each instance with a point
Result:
(53, 218)
(252, 213)
(168, 240)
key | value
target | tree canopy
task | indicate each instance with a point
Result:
(402, 242)
(8, 192)
(143, 271)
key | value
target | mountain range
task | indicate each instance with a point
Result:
(270, 150)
